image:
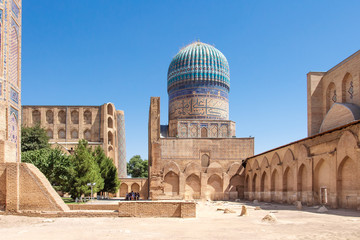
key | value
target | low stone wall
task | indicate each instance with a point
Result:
(113, 207)
(157, 209)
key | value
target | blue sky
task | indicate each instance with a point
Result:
(89, 52)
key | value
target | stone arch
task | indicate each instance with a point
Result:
(288, 158)
(192, 168)
(171, 167)
(264, 186)
(302, 182)
(214, 187)
(205, 160)
(331, 96)
(74, 117)
(204, 132)
(49, 133)
(14, 57)
(288, 184)
(253, 186)
(215, 168)
(171, 184)
(234, 168)
(61, 134)
(124, 188)
(347, 183)
(111, 153)
(110, 122)
(275, 160)
(275, 187)
(62, 117)
(110, 138)
(87, 117)
(347, 145)
(236, 187)
(49, 116)
(110, 109)
(36, 117)
(74, 134)
(347, 89)
(264, 164)
(303, 153)
(135, 187)
(321, 179)
(192, 187)
(255, 166)
(87, 135)
(247, 183)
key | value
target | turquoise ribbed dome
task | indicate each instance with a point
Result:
(198, 64)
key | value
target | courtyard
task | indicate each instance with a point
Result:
(211, 223)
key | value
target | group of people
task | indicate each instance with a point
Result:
(132, 196)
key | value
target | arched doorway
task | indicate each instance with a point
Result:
(275, 188)
(135, 187)
(302, 176)
(171, 184)
(321, 181)
(123, 189)
(236, 188)
(214, 188)
(288, 185)
(347, 183)
(263, 187)
(192, 187)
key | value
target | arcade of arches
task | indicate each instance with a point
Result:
(322, 169)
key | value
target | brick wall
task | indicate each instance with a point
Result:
(113, 207)
(157, 209)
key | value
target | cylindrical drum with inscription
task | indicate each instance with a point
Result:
(199, 83)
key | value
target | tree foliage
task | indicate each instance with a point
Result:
(54, 164)
(86, 171)
(33, 138)
(108, 171)
(137, 167)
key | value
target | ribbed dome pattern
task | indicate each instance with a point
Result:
(199, 63)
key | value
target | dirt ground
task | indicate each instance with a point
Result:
(209, 224)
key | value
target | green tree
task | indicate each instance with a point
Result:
(108, 171)
(33, 138)
(86, 171)
(54, 164)
(137, 167)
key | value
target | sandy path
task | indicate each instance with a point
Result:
(209, 224)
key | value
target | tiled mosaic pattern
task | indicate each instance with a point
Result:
(14, 96)
(199, 62)
(14, 55)
(121, 145)
(15, 9)
(193, 129)
(199, 83)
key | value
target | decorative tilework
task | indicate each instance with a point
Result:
(13, 128)
(199, 107)
(121, 145)
(14, 54)
(14, 111)
(0, 89)
(183, 130)
(14, 96)
(193, 130)
(1, 15)
(199, 83)
(15, 9)
(199, 62)
(214, 130)
(223, 131)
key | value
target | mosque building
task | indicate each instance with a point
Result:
(197, 155)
